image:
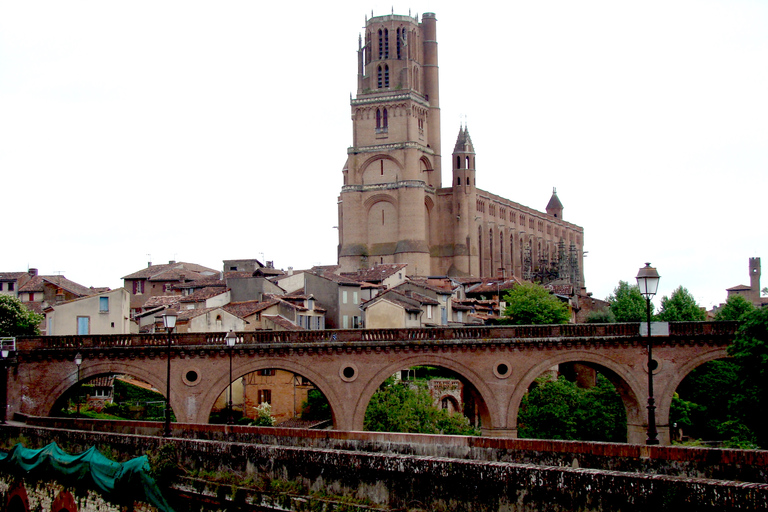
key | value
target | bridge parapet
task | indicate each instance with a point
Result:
(677, 330)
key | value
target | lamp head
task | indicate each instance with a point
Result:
(169, 319)
(231, 338)
(78, 359)
(648, 281)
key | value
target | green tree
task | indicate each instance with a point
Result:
(16, 319)
(407, 407)
(680, 307)
(316, 406)
(602, 316)
(734, 308)
(750, 352)
(559, 409)
(530, 303)
(627, 304)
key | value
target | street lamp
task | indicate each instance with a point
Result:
(169, 322)
(5, 352)
(231, 338)
(78, 362)
(648, 282)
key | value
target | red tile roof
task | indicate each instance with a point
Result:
(37, 284)
(247, 308)
(283, 322)
(376, 274)
(155, 270)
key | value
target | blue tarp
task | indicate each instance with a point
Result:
(112, 478)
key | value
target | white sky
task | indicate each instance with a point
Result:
(203, 131)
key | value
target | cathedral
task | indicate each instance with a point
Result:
(393, 207)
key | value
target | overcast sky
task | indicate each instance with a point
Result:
(203, 131)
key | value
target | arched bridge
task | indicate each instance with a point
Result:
(499, 364)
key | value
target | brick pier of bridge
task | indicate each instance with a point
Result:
(497, 363)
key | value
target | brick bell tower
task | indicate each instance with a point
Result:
(387, 206)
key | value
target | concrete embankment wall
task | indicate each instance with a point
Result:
(410, 481)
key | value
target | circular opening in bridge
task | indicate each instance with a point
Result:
(501, 370)
(348, 373)
(191, 377)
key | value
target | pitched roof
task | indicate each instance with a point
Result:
(153, 271)
(283, 322)
(376, 274)
(37, 284)
(7, 276)
(248, 308)
(203, 294)
(739, 288)
(491, 285)
(161, 300)
(554, 202)
(336, 278)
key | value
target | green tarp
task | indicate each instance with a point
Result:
(115, 480)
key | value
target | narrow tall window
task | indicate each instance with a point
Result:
(378, 118)
(386, 43)
(400, 36)
(386, 76)
(380, 78)
(385, 122)
(103, 304)
(381, 44)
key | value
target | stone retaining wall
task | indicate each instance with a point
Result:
(416, 482)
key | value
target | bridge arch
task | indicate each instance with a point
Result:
(90, 369)
(621, 376)
(219, 384)
(664, 394)
(488, 412)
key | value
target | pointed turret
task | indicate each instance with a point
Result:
(555, 207)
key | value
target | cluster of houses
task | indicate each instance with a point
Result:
(247, 295)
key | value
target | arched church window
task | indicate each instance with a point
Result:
(386, 76)
(385, 121)
(501, 249)
(381, 44)
(467, 180)
(458, 180)
(378, 119)
(400, 35)
(386, 43)
(467, 162)
(380, 77)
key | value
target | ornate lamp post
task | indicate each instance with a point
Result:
(231, 338)
(78, 362)
(5, 352)
(169, 322)
(648, 281)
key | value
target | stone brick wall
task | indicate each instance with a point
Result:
(396, 472)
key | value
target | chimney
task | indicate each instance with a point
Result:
(149, 264)
(290, 271)
(32, 272)
(171, 262)
(270, 264)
